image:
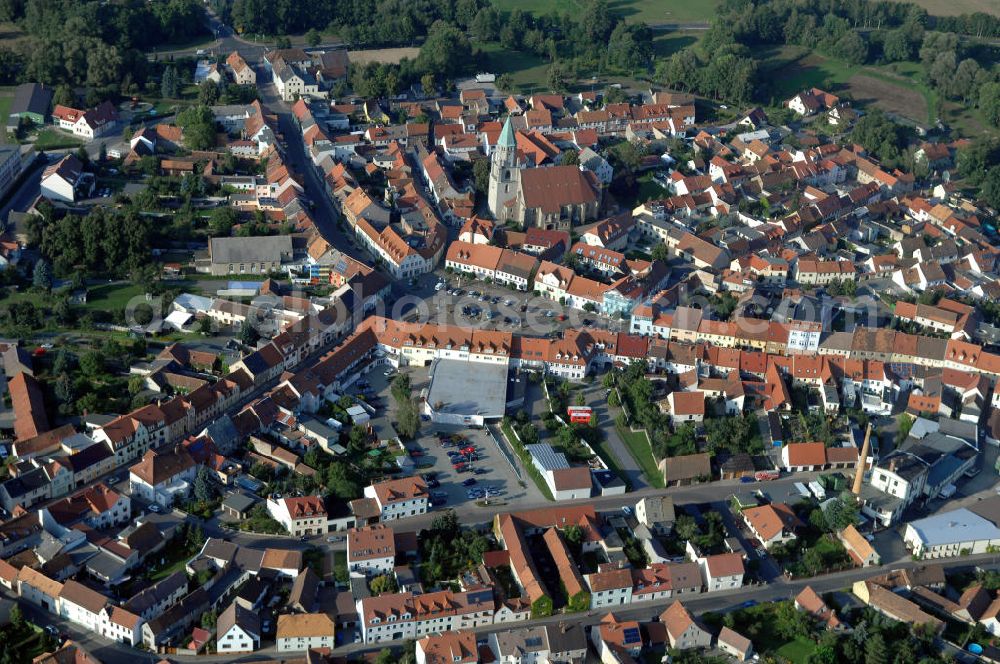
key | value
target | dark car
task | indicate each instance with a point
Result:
(481, 471)
(469, 482)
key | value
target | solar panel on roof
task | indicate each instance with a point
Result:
(631, 635)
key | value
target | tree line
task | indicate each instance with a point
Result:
(92, 43)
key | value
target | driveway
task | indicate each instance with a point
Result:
(597, 399)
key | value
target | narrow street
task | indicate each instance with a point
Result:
(597, 399)
(323, 213)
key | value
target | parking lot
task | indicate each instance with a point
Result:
(487, 470)
(469, 302)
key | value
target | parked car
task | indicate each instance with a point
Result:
(335, 538)
(469, 482)
(481, 471)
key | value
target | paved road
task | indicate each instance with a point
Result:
(597, 399)
(323, 214)
(780, 589)
(225, 40)
(25, 193)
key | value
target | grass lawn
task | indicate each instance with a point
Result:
(528, 71)
(532, 472)
(111, 296)
(896, 87)
(176, 558)
(6, 99)
(797, 651)
(653, 12)
(666, 44)
(638, 445)
(52, 139)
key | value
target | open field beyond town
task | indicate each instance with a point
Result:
(384, 55)
(893, 88)
(653, 12)
(956, 7)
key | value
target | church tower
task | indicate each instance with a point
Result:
(503, 173)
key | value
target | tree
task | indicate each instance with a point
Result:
(897, 46)
(209, 618)
(660, 252)
(222, 220)
(852, 47)
(680, 70)
(195, 537)
(963, 84)
(208, 93)
(445, 52)
(486, 25)
(16, 617)
(840, 514)
(875, 650)
(789, 623)
(62, 363)
(481, 175)
(989, 102)
(383, 584)
(573, 536)
(41, 276)
(408, 419)
(341, 481)
(570, 158)
(204, 490)
(989, 191)
(505, 82)
(198, 123)
(63, 96)
(248, 333)
(168, 83)
(357, 439)
(385, 656)
(92, 364)
(313, 37)
(283, 42)
(559, 76)
(880, 136)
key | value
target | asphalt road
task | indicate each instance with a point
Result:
(323, 214)
(225, 41)
(596, 396)
(778, 590)
(25, 193)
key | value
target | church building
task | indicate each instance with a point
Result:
(553, 197)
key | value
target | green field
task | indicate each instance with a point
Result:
(53, 139)
(895, 88)
(638, 445)
(112, 296)
(797, 651)
(528, 71)
(666, 44)
(653, 12)
(6, 99)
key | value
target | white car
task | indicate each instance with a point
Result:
(439, 286)
(154, 508)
